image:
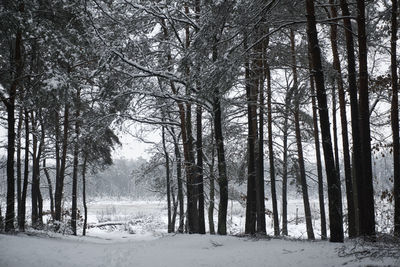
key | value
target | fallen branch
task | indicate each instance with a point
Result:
(105, 224)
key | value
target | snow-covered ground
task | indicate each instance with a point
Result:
(175, 250)
(141, 240)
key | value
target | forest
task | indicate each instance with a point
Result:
(252, 101)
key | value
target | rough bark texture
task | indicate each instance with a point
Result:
(355, 128)
(47, 174)
(343, 120)
(318, 158)
(271, 155)
(21, 223)
(212, 188)
(200, 182)
(75, 163)
(364, 182)
(395, 120)
(84, 166)
(251, 207)
(60, 181)
(303, 178)
(167, 176)
(334, 192)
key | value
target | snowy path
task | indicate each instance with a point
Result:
(178, 250)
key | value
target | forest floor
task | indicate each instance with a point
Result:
(139, 238)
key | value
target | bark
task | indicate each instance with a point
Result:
(219, 140)
(259, 135)
(200, 178)
(334, 192)
(334, 130)
(212, 188)
(251, 200)
(21, 223)
(343, 119)
(304, 187)
(318, 158)
(364, 183)
(167, 175)
(60, 181)
(75, 163)
(84, 167)
(285, 165)
(10, 108)
(351, 69)
(46, 172)
(271, 155)
(19, 166)
(395, 120)
(180, 186)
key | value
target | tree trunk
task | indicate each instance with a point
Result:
(167, 175)
(212, 188)
(19, 166)
(395, 120)
(21, 223)
(351, 69)
(200, 178)
(334, 192)
(364, 183)
(84, 166)
(75, 163)
(60, 181)
(304, 187)
(46, 172)
(179, 181)
(343, 119)
(219, 140)
(10, 108)
(285, 165)
(271, 154)
(318, 158)
(334, 130)
(259, 130)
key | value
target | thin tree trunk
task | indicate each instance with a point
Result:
(84, 166)
(199, 149)
(212, 187)
(343, 118)
(75, 163)
(200, 180)
(26, 173)
(364, 183)
(271, 155)
(60, 182)
(395, 120)
(304, 187)
(19, 165)
(46, 172)
(179, 181)
(35, 179)
(259, 135)
(219, 140)
(285, 164)
(167, 175)
(351, 69)
(10, 108)
(334, 192)
(318, 158)
(334, 129)
(251, 200)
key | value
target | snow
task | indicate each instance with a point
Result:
(142, 240)
(173, 250)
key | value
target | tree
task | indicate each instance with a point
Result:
(395, 118)
(364, 183)
(334, 192)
